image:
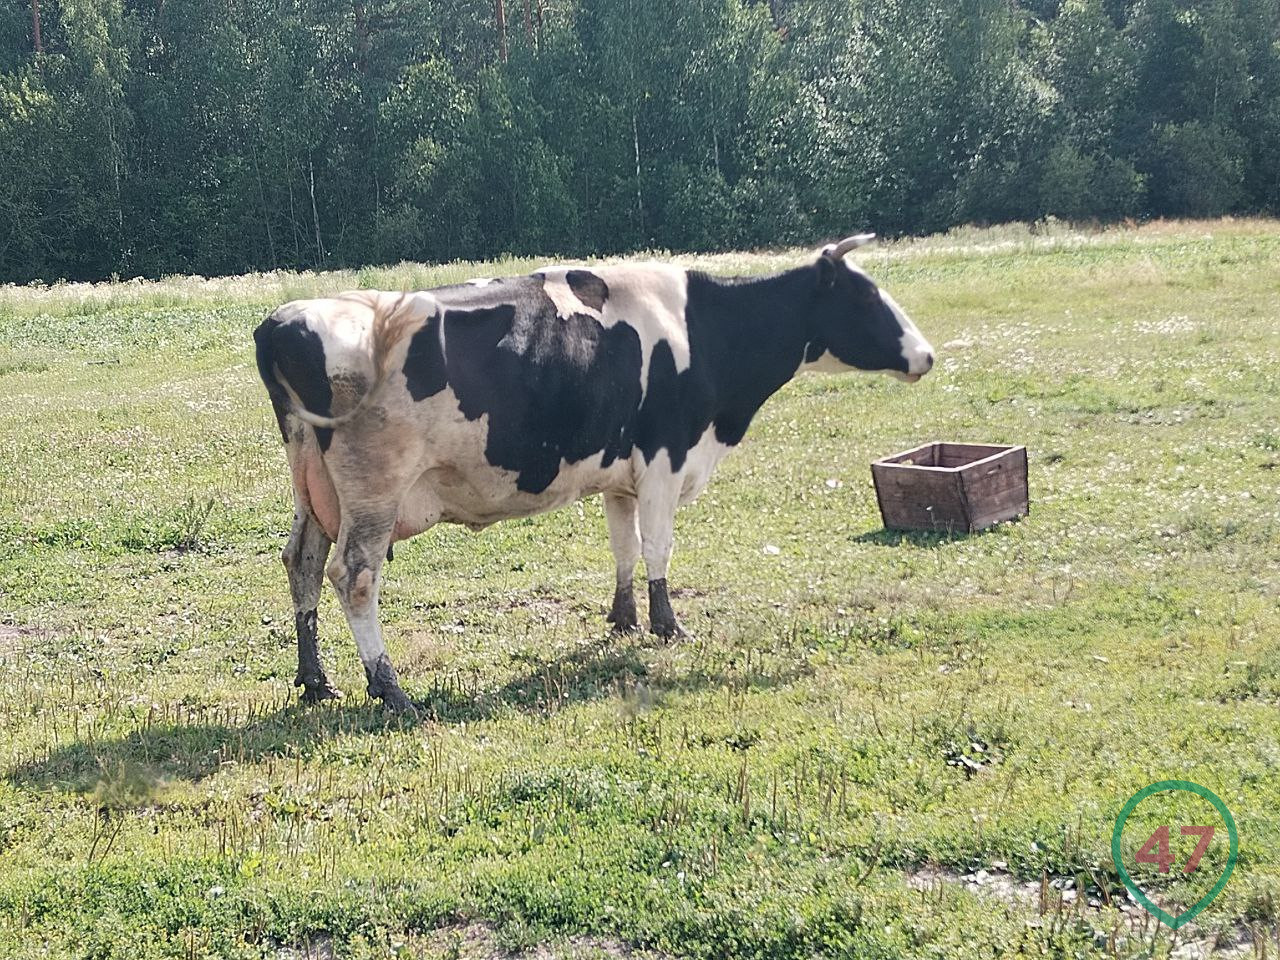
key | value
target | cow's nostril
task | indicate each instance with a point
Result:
(928, 361)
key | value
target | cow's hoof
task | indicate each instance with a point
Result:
(625, 621)
(662, 619)
(395, 701)
(384, 686)
(314, 693)
(669, 631)
(623, 614)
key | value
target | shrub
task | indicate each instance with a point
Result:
(1196, 170)
(1080, 186)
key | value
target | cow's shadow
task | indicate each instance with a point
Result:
(128, 768)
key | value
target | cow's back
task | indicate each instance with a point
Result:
(557, 367)
(515, 396)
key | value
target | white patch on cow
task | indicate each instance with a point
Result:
(700, 464)
(915, 348)
(345, 324)
(555, 283)
(657, 497)
(444, 355)
(456, 483)
(826, 363)
(480, 281)
(649, 297)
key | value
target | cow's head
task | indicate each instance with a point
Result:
(857, 326)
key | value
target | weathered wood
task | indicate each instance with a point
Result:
(952, 487)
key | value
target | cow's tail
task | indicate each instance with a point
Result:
(391, 324)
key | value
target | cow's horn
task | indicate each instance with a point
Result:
(837, 250)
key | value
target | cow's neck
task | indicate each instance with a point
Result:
(752, 332)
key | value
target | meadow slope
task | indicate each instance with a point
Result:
(861, 721)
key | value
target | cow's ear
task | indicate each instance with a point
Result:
(826, 271)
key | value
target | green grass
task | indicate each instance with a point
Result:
(857, 711)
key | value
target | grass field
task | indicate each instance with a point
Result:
(874, 745)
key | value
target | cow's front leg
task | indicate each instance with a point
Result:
(356, 573)
(658, 498)
(304, 557)
(624, 540)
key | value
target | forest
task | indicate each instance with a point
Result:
(155, 137)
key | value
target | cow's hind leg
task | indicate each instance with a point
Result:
(304, 558)
(624, 539)
(658, 498)
(355, 573)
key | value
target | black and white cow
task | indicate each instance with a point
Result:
(504, 398)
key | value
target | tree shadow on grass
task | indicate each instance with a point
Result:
(127, 769)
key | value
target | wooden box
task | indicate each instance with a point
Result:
(951, 487)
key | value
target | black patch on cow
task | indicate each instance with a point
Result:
(752, 335)
(567, 388)
(746, 339)
(677, 407)
(293, 351)
(477, 364)
(554, 388)
(424, 371)
(265, 356)
(588, 288)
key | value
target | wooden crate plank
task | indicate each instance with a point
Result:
(915, 499)
(996, 489)
(962, 454)
(925, 455)
(951, 487)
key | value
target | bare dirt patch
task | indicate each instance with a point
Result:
(16, 638)
(1122, 920)
(543, 607)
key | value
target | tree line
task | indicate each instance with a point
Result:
(147, 137)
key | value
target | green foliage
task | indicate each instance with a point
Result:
(1196, 169)
(1076, 186)
(700, 205)
(175, 137)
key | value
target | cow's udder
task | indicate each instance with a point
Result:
(315, 491)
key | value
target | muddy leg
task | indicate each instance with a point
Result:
(304, 557)
(662, 619)
(658, 499)
(355, 573)
(624, 540)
